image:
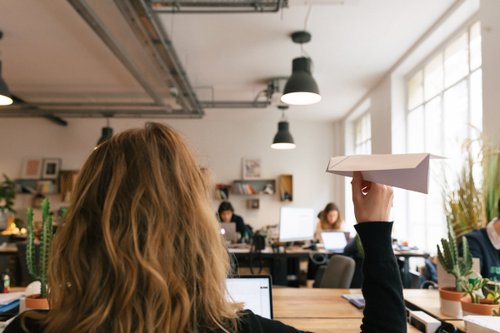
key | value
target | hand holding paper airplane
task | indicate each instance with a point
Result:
(408, 171)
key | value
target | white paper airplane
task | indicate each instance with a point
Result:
(408, 171)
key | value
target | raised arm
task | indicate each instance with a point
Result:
(382, 288)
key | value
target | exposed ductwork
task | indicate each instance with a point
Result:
(131, 29)
(217, 6)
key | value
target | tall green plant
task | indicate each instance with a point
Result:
(474, 202)
(38, 268)
(449, 258)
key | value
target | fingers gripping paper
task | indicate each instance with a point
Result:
(408, 171)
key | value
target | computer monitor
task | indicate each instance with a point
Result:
(296, 224)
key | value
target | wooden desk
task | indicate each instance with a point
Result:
(313, 303)
(427, 300)
(318, 310)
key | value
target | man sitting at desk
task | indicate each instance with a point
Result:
(485, 245)
(226, 215)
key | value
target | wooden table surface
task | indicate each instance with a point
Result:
(318, 310)
(313, 303)
(428, 300)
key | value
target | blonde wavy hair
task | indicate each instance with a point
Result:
(140, 250)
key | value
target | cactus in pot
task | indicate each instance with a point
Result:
(449, 258)
(38, 268)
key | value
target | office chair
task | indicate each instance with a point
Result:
(337, 273)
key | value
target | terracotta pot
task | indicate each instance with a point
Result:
(449, 300)
(469, 308)
(35, 302)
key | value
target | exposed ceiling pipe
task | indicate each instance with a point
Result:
(87, 13)
(148, 26)
(217, 6)
(44, 114)
(148, 29)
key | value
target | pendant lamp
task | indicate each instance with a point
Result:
(5, 97)
(106, 133)
(301, 88)
(283, 140)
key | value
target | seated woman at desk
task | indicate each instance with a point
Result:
(329, 220)
(227, 215)
(141, 251)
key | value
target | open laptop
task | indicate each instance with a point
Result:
(334, 241)
(228, 230)
(254, 291)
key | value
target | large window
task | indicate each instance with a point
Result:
(361, 144)
(444, 107)
(363, 135)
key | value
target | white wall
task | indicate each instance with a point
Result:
(490, 30)
(220, 140)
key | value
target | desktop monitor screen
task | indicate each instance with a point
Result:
(296, 224)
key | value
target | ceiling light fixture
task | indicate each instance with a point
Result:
(5, 97)
(106, 134)
(283, 140)
(301, 88)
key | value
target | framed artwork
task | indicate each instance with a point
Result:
(32, 169)
(251, 168)
(51, 167)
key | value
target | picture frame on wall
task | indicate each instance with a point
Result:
(32, 168)
(51, 167)
(251, 168)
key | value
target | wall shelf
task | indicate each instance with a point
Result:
(286, 187)
(254, 186)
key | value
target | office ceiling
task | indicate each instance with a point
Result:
(51, 55)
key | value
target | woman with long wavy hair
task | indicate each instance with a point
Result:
(140, 249)
(330, 219)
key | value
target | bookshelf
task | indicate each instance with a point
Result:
(254, 187)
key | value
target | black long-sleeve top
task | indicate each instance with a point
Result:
(382, 290)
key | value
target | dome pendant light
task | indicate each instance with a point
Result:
(283, 140)
(5, 96)
(106, 133)
(301, 88)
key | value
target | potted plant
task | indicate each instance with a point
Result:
(472, 204)
(480, 299)
(458, 267)
(38, 264)
(7, 196)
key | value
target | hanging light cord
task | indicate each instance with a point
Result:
(306, 22)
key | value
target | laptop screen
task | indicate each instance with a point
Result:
(254, 291)
(334, 241)
(228, 230)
